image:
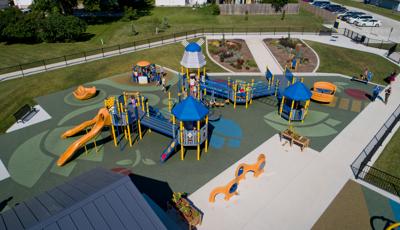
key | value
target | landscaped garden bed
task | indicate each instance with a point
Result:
(232, 54)
(286, 49)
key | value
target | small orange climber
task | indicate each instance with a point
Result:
(84, 93)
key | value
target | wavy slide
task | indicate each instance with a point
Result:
(102, 119)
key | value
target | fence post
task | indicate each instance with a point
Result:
(302, 30)
(134, 45)
(22, 71)
(84, 53)
(186, 34)
(174, 37)
(274, 30)
(44, 64)
(102, 51)
(247, 30)
(65, 59)
(148, 41)
(162, 40)
(119, 48)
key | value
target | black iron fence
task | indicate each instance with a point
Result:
(24, 69)
(365, 172)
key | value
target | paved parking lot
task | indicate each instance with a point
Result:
(380, 33)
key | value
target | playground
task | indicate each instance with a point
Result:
(34, 150)
(189, 129)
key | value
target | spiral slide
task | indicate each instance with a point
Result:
(102, 119)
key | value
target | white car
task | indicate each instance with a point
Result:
(368, 22)
(359, 18)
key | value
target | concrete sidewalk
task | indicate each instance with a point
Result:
(296, 187)
(263, 56)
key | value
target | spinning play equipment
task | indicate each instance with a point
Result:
(97, 123)
(84, 93)
(230, 189)
(292, 108)
(144, 72)
(323, 92)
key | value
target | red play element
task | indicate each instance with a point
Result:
(164, 156)
(357, 93)
(122, 170)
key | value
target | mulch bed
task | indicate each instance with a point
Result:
(282, 55)
(244, 52)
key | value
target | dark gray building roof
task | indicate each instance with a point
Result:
(98, 199)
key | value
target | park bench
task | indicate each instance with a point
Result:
(25, 113)
(359, 39)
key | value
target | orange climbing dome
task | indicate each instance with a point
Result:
(323, 92)
(84, 93)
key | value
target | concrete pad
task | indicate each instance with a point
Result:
(283, 163)
(42, 115)
(263, 56)
(4, 174)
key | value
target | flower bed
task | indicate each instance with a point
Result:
(232, 54)
(285, 49)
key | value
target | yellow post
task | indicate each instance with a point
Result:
(272, 79)
(181, 132)
(129, 129)
(113, 135)
(125, 132)
(182, 71)
(198, 73)
(169, 101)
(306, 108)
(293, 79)
(302, 79)
(173, 119)
(187, 76)
(198, 92)
(281, 108)
(252, 86)
(143, 104)
(140, 129)
(198, 140)
(247, 95)
(204, 72)
(206, 144)
(205, 92)
(291, 111)
(229, 81)
(234, 94)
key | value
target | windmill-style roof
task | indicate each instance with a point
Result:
(193, 47)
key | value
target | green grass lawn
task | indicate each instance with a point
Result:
(180, 19)
(352, 62)
(374, 9)
(389, 160)
(26, 89)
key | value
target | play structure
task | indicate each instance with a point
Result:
(84, 93)
(323, 92)
(393, 226)
(230, 189)
(295, 102)
(130, 113)
(144, 72)
(95, 125)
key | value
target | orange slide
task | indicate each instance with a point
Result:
(83, 93)
(323, 92)
(102, 119)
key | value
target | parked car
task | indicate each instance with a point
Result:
(351, 20)
(368, 22)
(320, 4)
(350, 15)
(341, 10)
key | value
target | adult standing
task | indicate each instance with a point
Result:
(388, 91)
(164, 83)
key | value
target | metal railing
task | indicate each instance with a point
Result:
(24, 69)
(367, 173)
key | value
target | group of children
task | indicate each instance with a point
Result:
(151, 73)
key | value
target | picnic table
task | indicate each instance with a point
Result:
(293, 137)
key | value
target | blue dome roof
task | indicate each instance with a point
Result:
(190, 110)
(298, 92)
(193, 47)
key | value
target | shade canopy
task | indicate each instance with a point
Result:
(193, 58)
(298, 92)
(190, 110)
(143, 63)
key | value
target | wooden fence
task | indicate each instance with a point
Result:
(326, 15)
(257, 9)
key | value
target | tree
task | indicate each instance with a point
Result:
(8, 16)
(279, 4)
(61, 28)
(24, 30)
(51, 6)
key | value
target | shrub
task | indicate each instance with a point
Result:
(130, 14)
(57, 27)
(210, 9)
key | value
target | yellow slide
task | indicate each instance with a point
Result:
(102, 119)
(393, 226)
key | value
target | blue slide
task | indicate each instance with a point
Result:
(169, 150)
